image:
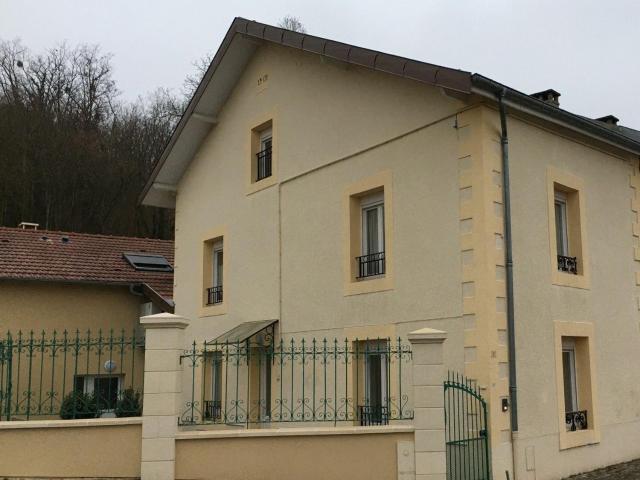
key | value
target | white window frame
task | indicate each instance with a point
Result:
(369, 203)
(216, 376)
(266, 377)
(569, 347)
(218, 270)
(88, 385)
(560, 200)
(265, 136)
(216, 379)
(371, 347)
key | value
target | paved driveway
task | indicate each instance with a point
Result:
(622, 471)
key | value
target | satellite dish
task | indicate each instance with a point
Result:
(109, 366)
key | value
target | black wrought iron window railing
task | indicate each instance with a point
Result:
(576, 421)
(373, 415)
(568, 264)
(371, 265)
(263, 165)
(214, 295)
(212, 409)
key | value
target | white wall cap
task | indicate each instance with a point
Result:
(427, 335)
(164, 320)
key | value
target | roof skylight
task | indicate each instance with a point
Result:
(147, 262)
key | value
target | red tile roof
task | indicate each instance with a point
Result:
(82, 257)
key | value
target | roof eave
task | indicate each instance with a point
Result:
(162, 193)
(515, 99)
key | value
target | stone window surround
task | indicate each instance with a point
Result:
(587, 387)
(559, 180)
(257, 126)
(208, 240)
(352, 219)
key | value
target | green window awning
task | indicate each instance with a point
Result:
(244, 331)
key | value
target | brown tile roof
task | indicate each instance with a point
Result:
(45, 255)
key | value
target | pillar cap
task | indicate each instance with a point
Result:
(427, 335)
(164, 320)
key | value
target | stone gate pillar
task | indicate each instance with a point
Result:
(162, 394)
(428, 394)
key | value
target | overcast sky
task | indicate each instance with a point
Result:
(588, 50)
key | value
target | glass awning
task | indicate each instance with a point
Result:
(244, 331)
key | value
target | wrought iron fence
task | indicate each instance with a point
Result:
(71, 375)
(366, 382)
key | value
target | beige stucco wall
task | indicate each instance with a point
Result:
(88, 449)
(74, 308)
(336, 125)
(609, 303)
(313, 457)
(284, 245)
(58, 306)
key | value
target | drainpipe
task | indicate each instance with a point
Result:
(504, 142)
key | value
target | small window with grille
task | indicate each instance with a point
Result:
(371, 262)
(214, 294)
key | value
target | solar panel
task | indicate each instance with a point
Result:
(148, 262)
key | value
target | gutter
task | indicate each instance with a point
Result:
(506, 196)
(524, 103)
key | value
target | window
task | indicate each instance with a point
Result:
(214, 293)
(373, 407)
(265, 387)
(576, 386)
(575, 418)
(148, 262)
(562, 233)
(566, 230)
(368, 222)
(569, 375)
(213, 407)
(214, 254)
(566, 263)
(371, 262)
(263, 156)
(106, 389)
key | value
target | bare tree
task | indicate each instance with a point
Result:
(192, 80)
(72, 155)
(201, 65)
(290, 22)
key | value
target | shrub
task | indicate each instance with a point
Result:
(128, 404)
(78, 405)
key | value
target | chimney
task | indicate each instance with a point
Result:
(548, 96)
(609, 119)
(28, 225)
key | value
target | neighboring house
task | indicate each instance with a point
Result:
(73, 301)
(324, 190)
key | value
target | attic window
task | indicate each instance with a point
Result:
(147, 262)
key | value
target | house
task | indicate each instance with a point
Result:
(327, 191)
(71, 304)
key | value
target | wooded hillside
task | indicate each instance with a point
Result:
(73, 156)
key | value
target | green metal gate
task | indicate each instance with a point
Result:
(465, 413)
